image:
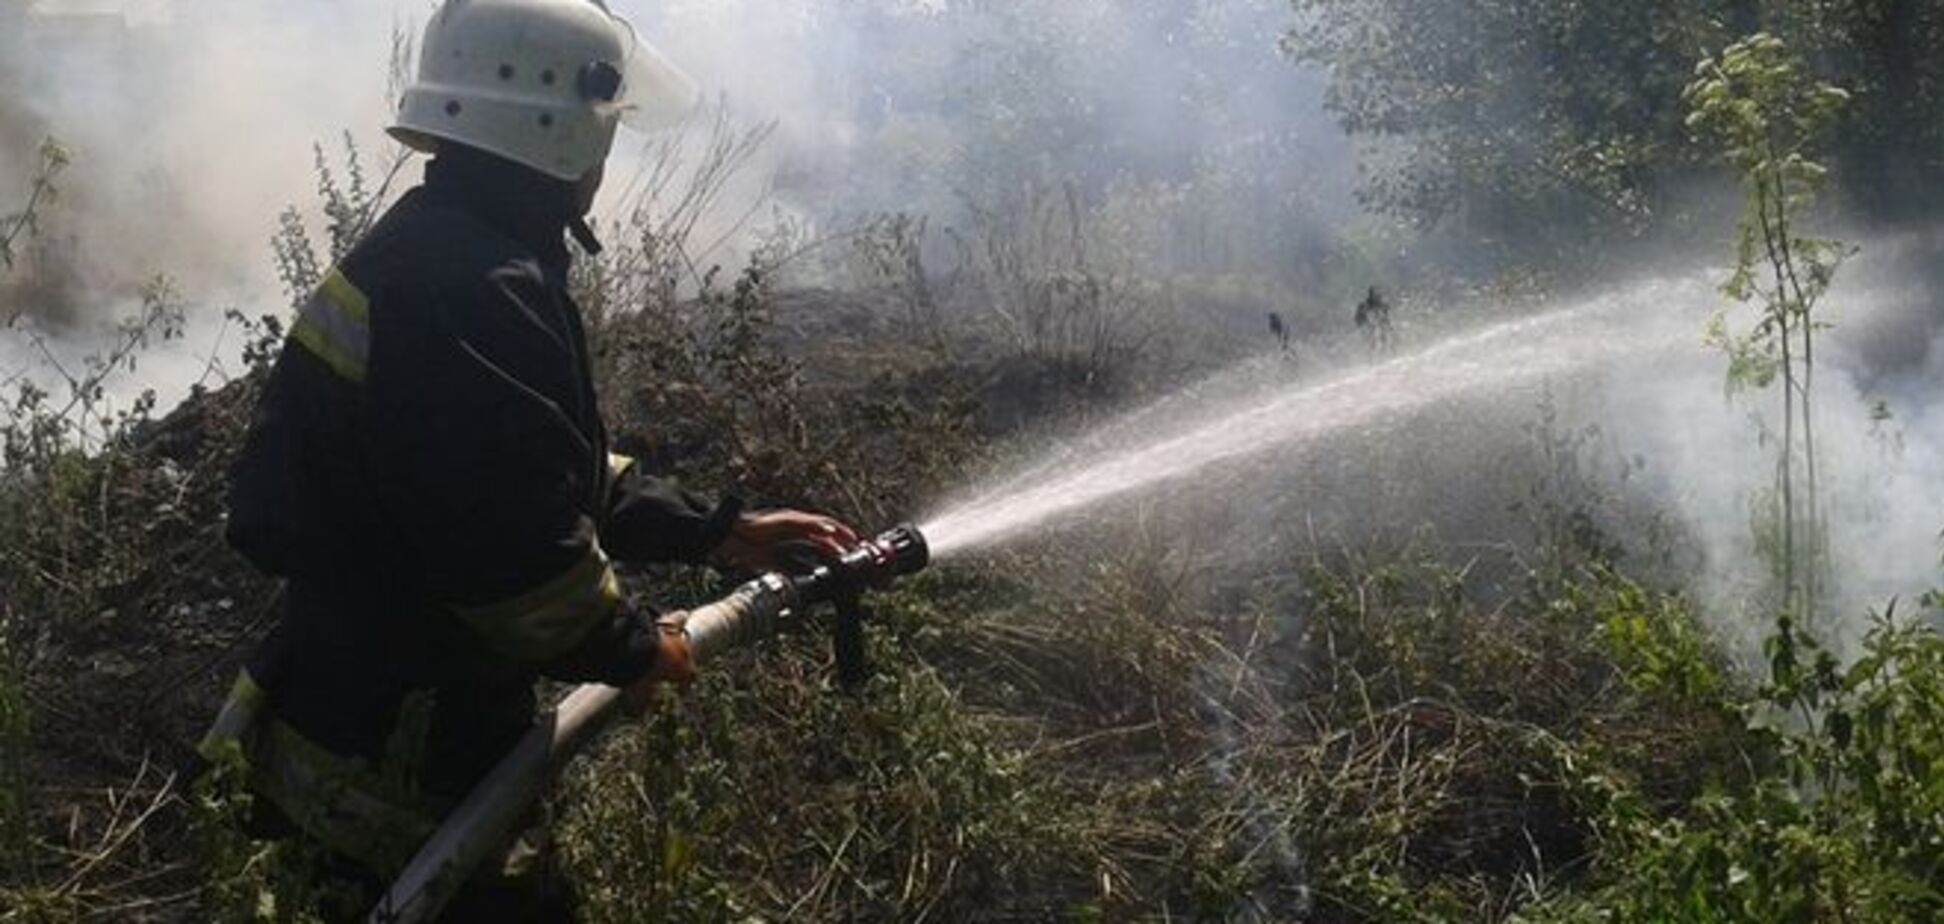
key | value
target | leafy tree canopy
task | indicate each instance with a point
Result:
(1517, 120)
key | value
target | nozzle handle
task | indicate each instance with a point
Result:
(847, 641)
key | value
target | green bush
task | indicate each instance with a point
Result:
(1846, 823)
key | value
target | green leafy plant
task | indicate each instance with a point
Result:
(350, 202)
(1843, 821)
(41, 192)
(1767, 114)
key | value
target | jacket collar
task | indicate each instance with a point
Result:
(523, 204)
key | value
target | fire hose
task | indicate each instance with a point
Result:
(491, 813)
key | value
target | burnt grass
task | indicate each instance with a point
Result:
(1094, 726)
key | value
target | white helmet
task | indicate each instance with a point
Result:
(538, 82)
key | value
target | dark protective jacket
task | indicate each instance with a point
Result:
(429, 471)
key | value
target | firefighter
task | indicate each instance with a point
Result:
(1279, 330)
(429, 474)
(1374, 319)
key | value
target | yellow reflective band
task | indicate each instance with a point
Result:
(235, 721)
(347, 296)
(340, 801)
(618, 464)
(552, 618)
(335, 326)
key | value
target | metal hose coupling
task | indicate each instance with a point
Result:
(754, 611)
(749, 613)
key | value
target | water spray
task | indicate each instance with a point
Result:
(1149, 449)
(488, 817)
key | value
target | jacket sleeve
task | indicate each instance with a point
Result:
(482, 471)
(653, 519)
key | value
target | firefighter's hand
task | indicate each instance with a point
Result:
(754, 542)
(672, 662)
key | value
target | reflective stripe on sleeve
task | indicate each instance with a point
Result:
(619, 464)
(552, 618)
(340, 801)
(235, 721)
(335, 326)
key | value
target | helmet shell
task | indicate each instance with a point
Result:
(504, 76)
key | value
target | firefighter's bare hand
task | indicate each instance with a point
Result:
(757, 537)
(673, 664)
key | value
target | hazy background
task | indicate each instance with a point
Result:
(192, 124)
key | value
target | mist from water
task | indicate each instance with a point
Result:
(1484, 364)
(1249, 443)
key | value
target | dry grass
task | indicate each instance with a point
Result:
(1094, 730)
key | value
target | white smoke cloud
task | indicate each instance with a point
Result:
(1883, 480)
(192, 121)
(190, 126)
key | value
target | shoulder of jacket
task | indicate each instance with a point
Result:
(423, 247)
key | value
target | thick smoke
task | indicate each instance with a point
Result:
(922, 107)
(1883, 475)
(190, 126)
(192, 123)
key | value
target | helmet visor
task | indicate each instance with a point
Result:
(654, 93)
